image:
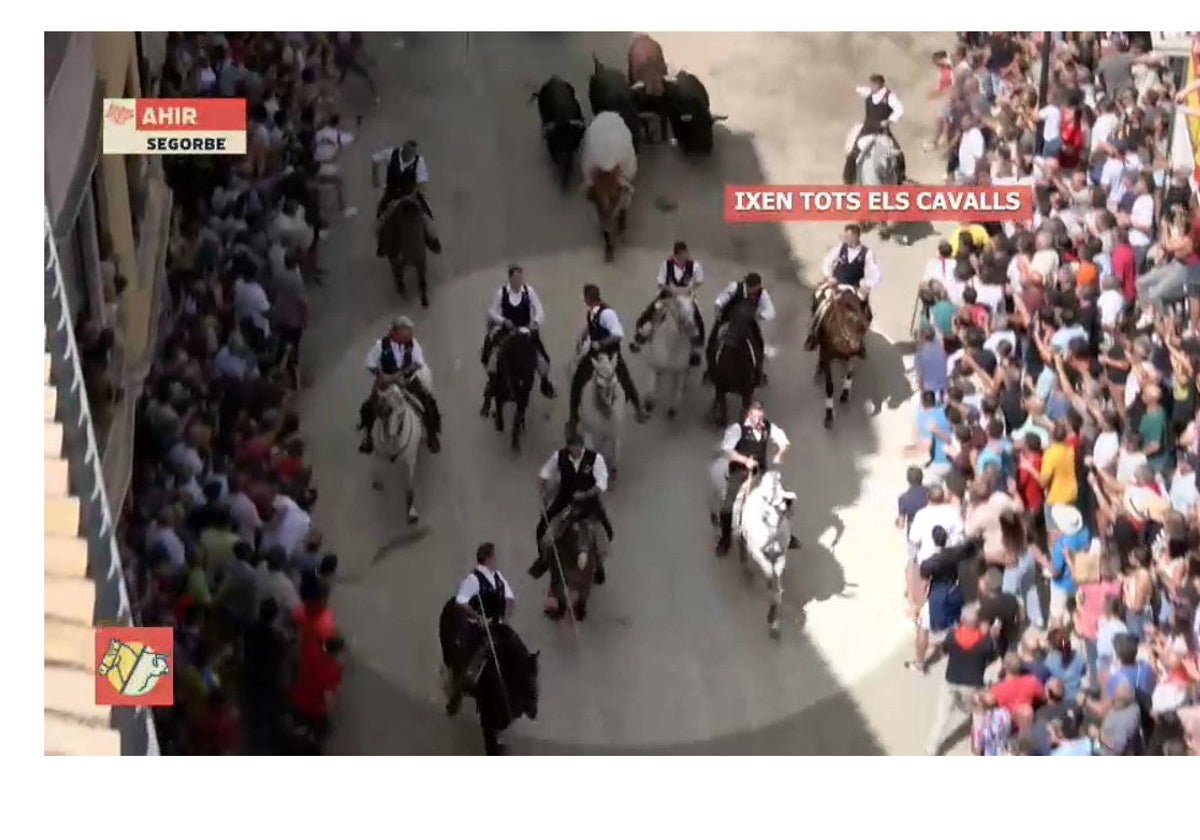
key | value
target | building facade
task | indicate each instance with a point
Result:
(107, 231)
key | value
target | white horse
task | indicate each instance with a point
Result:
(602, 410)
(878, 156)
(763, 529)
(398, 434)
(672, 330)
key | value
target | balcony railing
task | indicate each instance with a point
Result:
(113, 607)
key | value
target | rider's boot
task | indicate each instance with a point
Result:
(810, 343)
(726, 539)
(368, 445)
(547, 388)
(366, 421)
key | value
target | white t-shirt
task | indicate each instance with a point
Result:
(1103, 130)
(1051, 123)
(1128, 463)
(920, 534)
(1110, 303)
(1141, 214)
(970, 150)
(1106, 449)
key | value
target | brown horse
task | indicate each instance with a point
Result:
(574, 552)
(405, 237)
(841, 336)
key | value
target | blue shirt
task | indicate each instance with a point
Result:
(1080, 746)
(937, 417)
(1139, 675)
(1071, 673)
(1077, 542)
(1062, 338)
(1000, 453)
(930, 364)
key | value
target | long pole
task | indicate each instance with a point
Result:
(1043, 86)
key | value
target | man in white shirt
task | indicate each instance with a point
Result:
(579, 476)
(287, 527)
(679, 274)
(398, 359)
(1105, 128)
(603, 333)
(484, 599)
(939, 512)
(850, 264)
(406, 173)
(747, 446)
(971, 150)
(1141, 217)
(327, 148)
(750, 289)
(515, 306)
(882, 109)
(250, 303)
(940, 269)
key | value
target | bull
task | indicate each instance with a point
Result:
(609, 165)
(691, 118)
(609, 91)
(562, 123)
(647, 80)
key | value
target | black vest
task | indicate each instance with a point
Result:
(572, 481)
(751, 448)
(490, 600)
(522, 313)
(877, 113)
(681, 280)
(401, 179)
(596, 330)
(850, 272)
(388, 361)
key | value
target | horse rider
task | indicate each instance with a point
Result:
(751, 289)
(485, 599)
(678, 274)
(517, 305)
(406, 174)
(602, 334)
(851, 264)
(746, 445)
(581, 476)
(397, 358)
(882, 109)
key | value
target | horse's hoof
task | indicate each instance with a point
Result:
(775, 633)
(671, 413)
(829, 420)
(413, 517)
(714, 520)
(580, 611)
(376, 485)
(845, 397)
(516, 445)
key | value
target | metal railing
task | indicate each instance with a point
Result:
(136, 726)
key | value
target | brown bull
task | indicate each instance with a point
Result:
(610, 192)
(647, 81)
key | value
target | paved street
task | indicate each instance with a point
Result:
(674, 656)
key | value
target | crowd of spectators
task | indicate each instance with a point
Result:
(216, 531)
(1054, 523)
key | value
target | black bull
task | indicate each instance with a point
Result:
(689, 112)
(608, 90)
(562, 123)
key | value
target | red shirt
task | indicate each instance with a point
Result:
(1032, 494)
(1011, 693)
(254, 451)
(317, 674)
(1194, 232)
(1125, 268)
(287, 467)
(314, 626)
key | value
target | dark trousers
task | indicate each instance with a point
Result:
(496, 337)
(590, 507)
(850, 168)
(584, 372)
(368, 411)
(734, 479)
(710, 351)
(350, 63)
(648, 314)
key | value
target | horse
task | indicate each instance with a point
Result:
(574, 552)
(762, 527)
(673, 329)
(398, 433)
(405, 237)
(516, 367)
(507, 683)
(732, 368)
(878, 156)
(841, 336)
(602, 410)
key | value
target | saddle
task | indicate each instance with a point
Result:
(721, 332)
(847, 299)
(559, 524)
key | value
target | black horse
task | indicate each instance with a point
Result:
(507, 686)
(732, 368)
(516, 367)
